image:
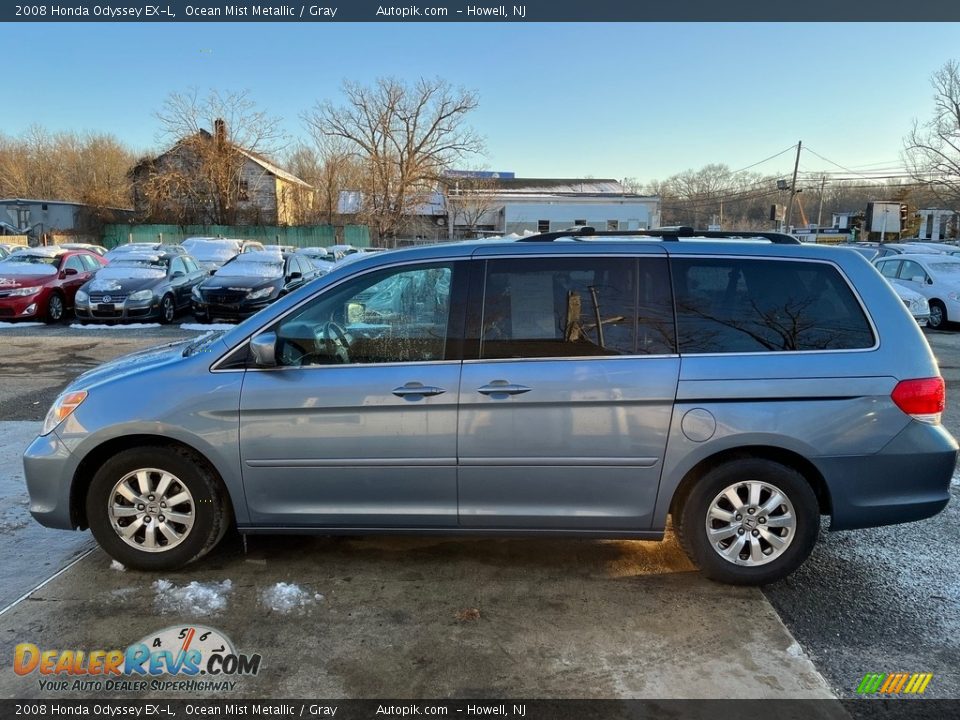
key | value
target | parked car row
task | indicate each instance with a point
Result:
(214, 278)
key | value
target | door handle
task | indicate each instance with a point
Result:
(413, 390)
(503, 388)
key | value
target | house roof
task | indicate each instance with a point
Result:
(574, 186)
(249, 154)
(271, 168)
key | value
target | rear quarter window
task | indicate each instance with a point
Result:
(737, 305)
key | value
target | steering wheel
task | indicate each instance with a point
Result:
(333, 339)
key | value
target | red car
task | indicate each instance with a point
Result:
(40, 283)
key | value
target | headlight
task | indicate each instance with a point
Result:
(140, 295)
(81, 297)
(21, 292)
(61, 409)
(261, 293)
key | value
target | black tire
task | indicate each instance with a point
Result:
(690, 521)
(941, 323)
(168, 309)
(56, 308)
(210, 509)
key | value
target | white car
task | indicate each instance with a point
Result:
(916, 303)
(936, 277)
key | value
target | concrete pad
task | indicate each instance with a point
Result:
(29, 552)
(432, 617)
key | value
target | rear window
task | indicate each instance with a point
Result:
(746, 306)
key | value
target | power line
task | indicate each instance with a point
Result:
(761, 162)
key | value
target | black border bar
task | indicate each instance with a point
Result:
(569, 11)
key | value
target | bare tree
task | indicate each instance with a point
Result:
(403, 136)
(88, 168)
(932, 148)
(200, 179)
(470, 200)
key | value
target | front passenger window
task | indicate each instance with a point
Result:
(395, 315)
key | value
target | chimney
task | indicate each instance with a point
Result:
(220, 132)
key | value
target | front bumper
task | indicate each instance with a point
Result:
(127, 310)
(12, 308)
(49, 469)
(906, 481)
(228, 311)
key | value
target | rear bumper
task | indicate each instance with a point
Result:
(906, 481)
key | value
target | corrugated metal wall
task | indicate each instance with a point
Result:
(298, 236)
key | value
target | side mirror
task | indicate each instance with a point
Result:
(296, 275)
(263, 347)
(69, 271)
(355, 312)
(213, 271)
(177, 273)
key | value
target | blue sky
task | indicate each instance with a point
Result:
(556, 100)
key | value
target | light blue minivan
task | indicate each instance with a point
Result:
(582, 384)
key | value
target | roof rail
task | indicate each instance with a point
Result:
(665, 233)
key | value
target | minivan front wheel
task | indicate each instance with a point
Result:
(156, 508)
(749, 522)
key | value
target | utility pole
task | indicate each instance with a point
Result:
(793, 184)
(823, 181)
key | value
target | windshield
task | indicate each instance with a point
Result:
(22, 257)
(210, 252)
(15, 266)
(126, 269)
(945, 268)
(202, 342)
(249, 268)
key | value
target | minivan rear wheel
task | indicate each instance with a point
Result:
(156, 508)
(749, 522)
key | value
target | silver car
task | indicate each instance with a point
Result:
(581, 383)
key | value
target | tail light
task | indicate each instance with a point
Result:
(923, 400)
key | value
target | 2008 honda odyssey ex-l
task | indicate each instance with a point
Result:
(580, 383)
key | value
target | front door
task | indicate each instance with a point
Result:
(356, 426)
(564, 415)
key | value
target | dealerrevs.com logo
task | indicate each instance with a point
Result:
(197, 657)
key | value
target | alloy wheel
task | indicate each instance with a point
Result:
(751, 523)
(151, 510)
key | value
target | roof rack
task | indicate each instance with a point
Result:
(672, 233)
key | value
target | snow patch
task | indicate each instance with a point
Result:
(118, 566)
(128, 326)
(10, 326)
(285, 598)
(203, 327)
(196, 597)
(955, 480)
(795, 650)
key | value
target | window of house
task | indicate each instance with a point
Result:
(745, 305)
(543, 226)
(243, 192)
(579, 222)
(613, 225)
